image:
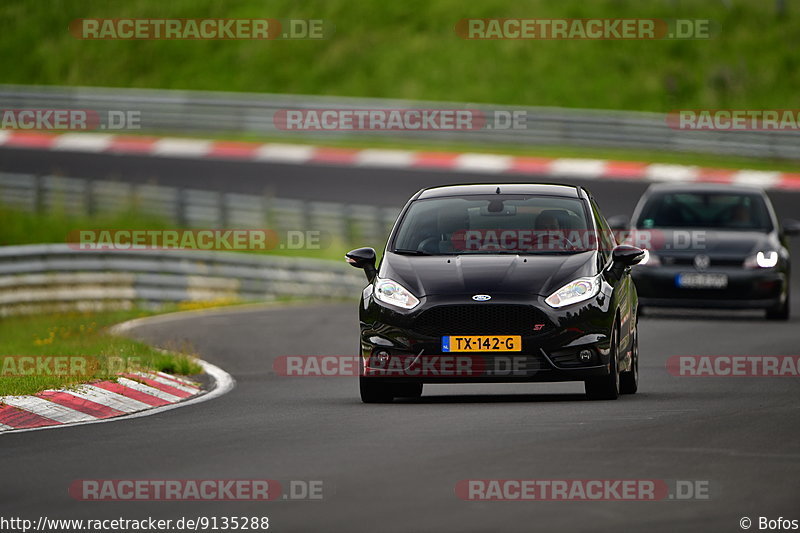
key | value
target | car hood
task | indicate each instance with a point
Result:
(711, 242)
(487, 274)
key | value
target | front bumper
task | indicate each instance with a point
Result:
(406, 346)
(746, 289)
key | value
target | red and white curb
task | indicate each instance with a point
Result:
(397, 159)
(130, 395)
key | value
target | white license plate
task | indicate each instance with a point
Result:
(701, 281)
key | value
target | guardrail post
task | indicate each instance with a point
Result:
(182, 208)
(38, 194)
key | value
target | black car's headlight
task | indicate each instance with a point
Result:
(762, 260)
(580, 290)
(390, 292)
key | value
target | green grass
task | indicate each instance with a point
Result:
(21, 227)
(85, 335)
(410, 50)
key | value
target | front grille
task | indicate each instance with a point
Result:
(480, 319)
(689, 261)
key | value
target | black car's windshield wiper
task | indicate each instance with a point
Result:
(401, 251)
(523, 252)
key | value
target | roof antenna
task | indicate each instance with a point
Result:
(497, 191)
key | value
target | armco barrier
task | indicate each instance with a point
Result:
(221, 113)
(347, 224)
(55, 277)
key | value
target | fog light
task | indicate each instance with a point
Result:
(585, 356)
(382, 357)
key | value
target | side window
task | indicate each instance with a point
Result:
(606, 236)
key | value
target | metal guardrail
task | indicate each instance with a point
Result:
(345, 224)
(55, 277)
(219, 113)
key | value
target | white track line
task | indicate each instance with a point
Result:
(663, 172)
(169, 146)
(83, 142)
(758, 178)
(288, 153)
(135, 385)
(108, 398)
(579, 168)
(483, 163)
(224, 383)
(164, 381)
(372, 157)
(178, 378)
(51, 410)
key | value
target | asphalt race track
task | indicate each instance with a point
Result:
(395, 467)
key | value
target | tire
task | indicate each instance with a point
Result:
(629, 380)
(408, 390)
(781, 312)
(606, 387)
(375, 391)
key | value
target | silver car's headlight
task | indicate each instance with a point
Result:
(390, 292)
(573, 292)
(762, 260)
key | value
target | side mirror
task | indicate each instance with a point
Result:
(626, 255)
(791, 227)
(619, 222)
(363, 258)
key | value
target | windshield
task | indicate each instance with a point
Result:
(732, 211)
(494, 224)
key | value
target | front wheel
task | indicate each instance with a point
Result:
(629, 380)
(781, 312)
(375, 391)
(408, 390)
(606, 387)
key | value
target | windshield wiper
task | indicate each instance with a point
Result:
(402, 251)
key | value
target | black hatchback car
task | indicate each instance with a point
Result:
(712, 245)
(498, 283)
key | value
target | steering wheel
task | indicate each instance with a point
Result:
(430, 242)
(558, 237)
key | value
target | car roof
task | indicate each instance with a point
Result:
(465, 189)
(703, 187)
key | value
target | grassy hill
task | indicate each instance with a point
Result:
(410, 50)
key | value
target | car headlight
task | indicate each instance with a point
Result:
(573, 292)
(390, 292)
(650, 259)
(762, 260)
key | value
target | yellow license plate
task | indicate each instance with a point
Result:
(482, 343)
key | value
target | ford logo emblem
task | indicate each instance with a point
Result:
(481, 297)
